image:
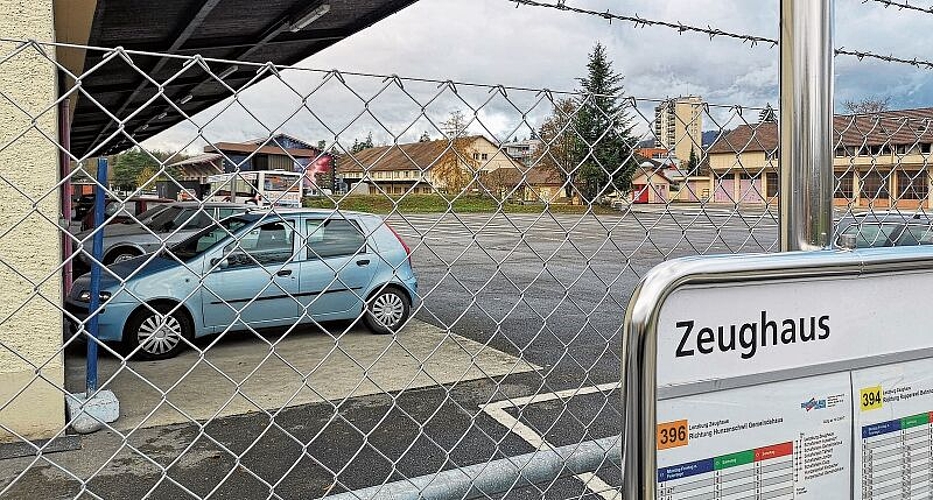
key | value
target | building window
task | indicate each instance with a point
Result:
(901, 149)
(476, 156)
(874, 186)
(261, 162)
(484, 156)
(771, 190)
(912, 185)
(844, 188)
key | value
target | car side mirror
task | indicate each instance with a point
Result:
(220, 263)
(846, 241)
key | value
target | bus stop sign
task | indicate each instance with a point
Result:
(798, 375)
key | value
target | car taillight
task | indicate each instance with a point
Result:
(400, 240)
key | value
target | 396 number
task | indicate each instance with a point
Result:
(672, 434)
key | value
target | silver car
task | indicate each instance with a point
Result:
(172, 224)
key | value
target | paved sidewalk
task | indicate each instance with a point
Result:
(241, 375)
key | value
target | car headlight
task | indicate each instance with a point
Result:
(85, 296)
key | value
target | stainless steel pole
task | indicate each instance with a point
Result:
(806, 154)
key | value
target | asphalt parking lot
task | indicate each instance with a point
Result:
(533, 306)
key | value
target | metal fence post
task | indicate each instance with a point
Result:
(97, 251)
(806, 160)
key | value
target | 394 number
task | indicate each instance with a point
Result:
(672, 434)
(870, 398)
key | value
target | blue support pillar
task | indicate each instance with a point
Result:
(97, 251)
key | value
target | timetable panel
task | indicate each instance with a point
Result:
(777, 441)
(893, 430)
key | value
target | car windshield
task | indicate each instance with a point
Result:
(206, 238)
(871, 235)
(146, 216)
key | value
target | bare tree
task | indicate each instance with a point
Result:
(558, 151)
(867, 105)
(457, 166)
(501, 181)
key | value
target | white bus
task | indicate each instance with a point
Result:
(262, 187)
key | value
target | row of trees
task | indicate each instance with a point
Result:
(135, 168)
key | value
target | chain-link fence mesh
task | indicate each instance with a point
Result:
(452, 293)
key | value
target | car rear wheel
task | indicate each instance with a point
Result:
(158, 332)
(387, 310)
(121, 255)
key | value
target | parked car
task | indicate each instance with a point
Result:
(82, 205)
(117, 212)
(883, 229)
(167, 226)
(258, 269)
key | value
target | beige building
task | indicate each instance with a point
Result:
(429, 166)
(880, 161)
(678, 126)
(650, 184)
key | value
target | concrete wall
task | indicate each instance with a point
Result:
(30, 325)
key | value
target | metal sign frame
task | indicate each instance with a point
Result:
(640, 339)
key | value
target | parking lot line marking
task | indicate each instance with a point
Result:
(498, 412)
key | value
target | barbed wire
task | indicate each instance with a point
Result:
(711, 32)
(901, 5)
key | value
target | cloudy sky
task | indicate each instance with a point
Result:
(491, 42)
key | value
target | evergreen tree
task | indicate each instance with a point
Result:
(359, 145)
(693, 163)
(604, 125)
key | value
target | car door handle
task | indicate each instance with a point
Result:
(362, 262)
(284, 272)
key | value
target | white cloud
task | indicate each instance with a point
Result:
(492, 42)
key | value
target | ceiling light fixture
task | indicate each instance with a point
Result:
(161, 115)
(310, 17)
(184, 100)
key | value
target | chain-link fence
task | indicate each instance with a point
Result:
(441, 318)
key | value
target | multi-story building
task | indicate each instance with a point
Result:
(881, 160)
(678, 126)
(523, 151)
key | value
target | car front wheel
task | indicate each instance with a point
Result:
(387, 311)
(158, 332)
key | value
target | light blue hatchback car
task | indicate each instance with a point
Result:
(256, 270)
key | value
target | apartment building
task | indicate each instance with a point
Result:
(678, 125)
(523, 151)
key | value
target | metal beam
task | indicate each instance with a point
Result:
(498, 476)
(220, 43)
(179, 39)
(806, 161)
